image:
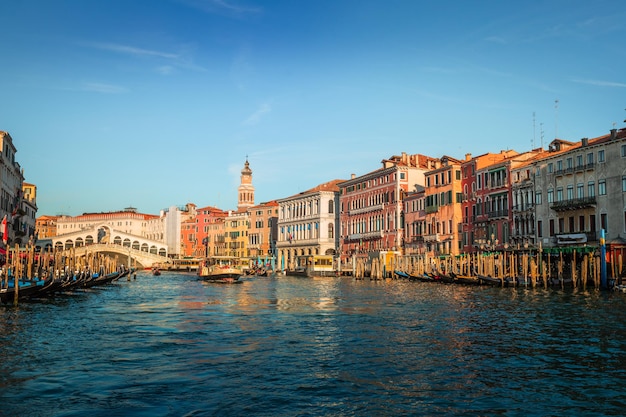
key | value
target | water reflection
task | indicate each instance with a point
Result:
(333, 346)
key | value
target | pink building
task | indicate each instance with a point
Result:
(371, 210)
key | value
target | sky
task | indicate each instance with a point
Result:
(158, 103)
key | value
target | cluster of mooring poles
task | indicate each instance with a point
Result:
(530, 268)
(27, 273)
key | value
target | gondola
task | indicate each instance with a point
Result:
(25, 289)
(489, 280)
(402, 274)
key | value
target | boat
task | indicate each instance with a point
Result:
(182, 265)
(300, 271)
(485, 279)
(225, 269)
(156, 272)
(466, 279)
(402, 274)
(25, 289)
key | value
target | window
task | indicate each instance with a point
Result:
(570, 163)
(331, 204)
(579, 161)
(538, 197)
(603, 221)
(570, 192)
(559, 165)
(601, 155)
(550, 196)
(592, 222)
(559, 194)
(539, 228)
(580, 190)
(623, 151)
(591, 189)
(551, 227)
(590, 158)
(623, 183)
(602, 187)
(581, 223)
(402, 175)
(550, 168)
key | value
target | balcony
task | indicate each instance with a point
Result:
(367, 209)
(520, 208)
(366, 235)
(431, 238)
(579, 168)
(574, 204)
(431, 209)
(498, 214)
(416, 239)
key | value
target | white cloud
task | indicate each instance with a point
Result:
(103, 88)
(600, 83)
(222, 7)
(131, 50)
(255, 117)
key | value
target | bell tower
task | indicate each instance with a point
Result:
(246, 189)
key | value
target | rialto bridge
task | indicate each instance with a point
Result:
(141, 252)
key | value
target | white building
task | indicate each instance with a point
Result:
(308, 225)
(11, 181)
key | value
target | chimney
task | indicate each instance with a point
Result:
(613, 133)
(468, 156)
(584, 141)
(352, 176)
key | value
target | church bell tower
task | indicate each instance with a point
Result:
(246, 189)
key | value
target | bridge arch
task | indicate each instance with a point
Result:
(108, 239)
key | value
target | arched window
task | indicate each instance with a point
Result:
(331, 232)
(331, 206)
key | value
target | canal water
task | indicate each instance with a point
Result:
(176, 346)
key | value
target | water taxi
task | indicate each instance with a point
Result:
(183, 264)
(220, 269)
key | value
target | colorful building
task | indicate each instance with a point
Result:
(371, 209)
(443, 207)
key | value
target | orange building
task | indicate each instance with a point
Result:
(263, 230)
(443, 208)
(46, 227)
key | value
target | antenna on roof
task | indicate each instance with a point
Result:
(556, 119)
(534, 133)
(541, 124)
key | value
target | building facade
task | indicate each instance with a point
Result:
(46, 227)
(443, 208)
(585, 188)
(307, 225)
(263, 232)
(414, 221)
(11, 192)
(371, 208)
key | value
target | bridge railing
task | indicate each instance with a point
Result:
(146, 259)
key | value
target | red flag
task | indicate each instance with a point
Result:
(5, 230)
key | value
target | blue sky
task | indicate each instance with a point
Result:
(154, 103)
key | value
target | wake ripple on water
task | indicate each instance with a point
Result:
(175, 346)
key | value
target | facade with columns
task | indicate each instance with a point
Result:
(308, 225)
